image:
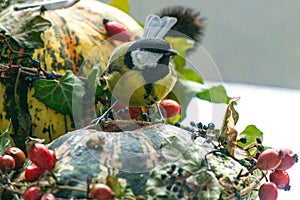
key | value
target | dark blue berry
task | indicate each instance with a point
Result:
(203, 133)
(199, 125)
(170, 172)
(194, 136)
(180, 195)
(51, 76)
(258, 140)
(144, 116)
(257, 155)
(180, 170)
(175, 189)
(192, 123)
(195, 198)
(260, 148)
(2, 31)
(178, 182)
(211, 126)
(173, 178)
(36, 64)
(177, 124)
(163, 176)
(169, 187)
(243, 140)
(205, 127)
(253, 162)
(173, 167)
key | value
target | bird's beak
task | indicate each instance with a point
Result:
(172, 52)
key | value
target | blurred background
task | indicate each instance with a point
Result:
(255, 42)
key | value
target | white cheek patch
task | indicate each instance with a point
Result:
(141, 59)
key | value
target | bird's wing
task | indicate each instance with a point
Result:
(156, 27)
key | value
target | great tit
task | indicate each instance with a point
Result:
(141, 73)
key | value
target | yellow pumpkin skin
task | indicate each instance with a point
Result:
(76, 41)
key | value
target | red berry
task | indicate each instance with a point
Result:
(18, 156)
(268, 191)
(48, 197)
(101, 192)
(40, 155)
(288, 160)
(135, 112)
(281, 179)
(170, 107)
(33, 193)
(32, 173)
(269, 159)
(7, 163)
(116, 30)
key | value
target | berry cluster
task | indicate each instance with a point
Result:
(278, 161)
(43, 160)
(202, 130)
(181, 184)
(48, 75)
(12, 159)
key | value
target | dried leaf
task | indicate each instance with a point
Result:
(228, 131)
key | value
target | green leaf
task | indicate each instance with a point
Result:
(5, 140)
(191, 75)
(251, 133)
(113, 183)
(185, 90)
(63, 95)
(121, 4)
(181, 45)
(25, 27)
(216, 94)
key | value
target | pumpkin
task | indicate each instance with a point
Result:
(72, 38)
(138, 153)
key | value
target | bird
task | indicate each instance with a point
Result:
(141, 73)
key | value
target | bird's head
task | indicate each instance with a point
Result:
(149, 53)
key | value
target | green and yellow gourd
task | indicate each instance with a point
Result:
(138, 156)
(76, 41)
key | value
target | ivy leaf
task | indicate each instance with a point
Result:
(228, 131)
(181, 45)
(113, 183)
(191, 75)
(185, 90)
(5, 140)
(61, 95)
(121, 4)
(251, 133)
(215, 94)
(25, 27)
